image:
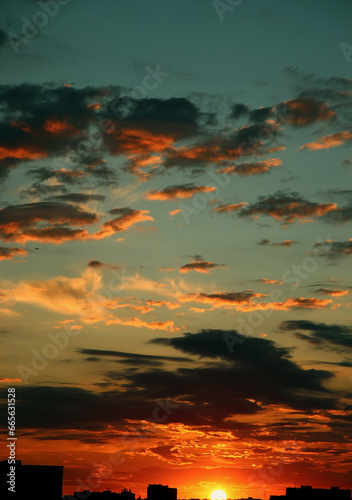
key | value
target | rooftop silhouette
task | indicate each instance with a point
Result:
(310, 493)
(101, 495)
(31, 482)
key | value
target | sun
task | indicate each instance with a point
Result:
(218, 495)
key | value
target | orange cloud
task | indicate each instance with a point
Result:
(288, 304)
(276, 148)
(127, 217)
(58, 127)
(328, 141)
(52, 235)
(98, 264)
(21, 125)
(304, 111)
(22, 153)
(199, 265)
(243, 301)
(18, 222)
(138, 141)
(138, 165)
(287, 208)
(197, 310)
(168, 326)
(203, 153)
(7, 253)
(333, 293)
(229, 208)
(158, 303)
(174, 212)
(69, 173)
(285, 243)
(333, 248)
(132, 307)
(270, 282)
(254, 168)
(139, 282)
(94, 106)
(73, 296)
(83, 297)
(222, 299)
(10, 380)
(183, 191)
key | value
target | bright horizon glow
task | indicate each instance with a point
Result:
(218, 495)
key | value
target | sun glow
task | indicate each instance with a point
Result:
(218, 495)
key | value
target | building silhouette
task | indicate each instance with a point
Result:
(101, 495)
(248, 498)
(310, 493)
(32, 482)
(160, 492)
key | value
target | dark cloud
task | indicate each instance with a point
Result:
(176, 116)
(104, 175)
(141, 128)
(62, 408)
(20, 222)
(200, 265)
(80, 197)
(340, 215)
(298, 112)
(286, 207)
(334, 249)
(126, 217)
(223, 148)
(63, 175)
(256, 367)
(225, 208)
(333, 337)
(222, 298)
(345, 193)
(68, 176)
(261, 114)
(285, 243)
(239, 110)
(7, 253)
(40, 121)
(132, 356)
(36, 104)
(252, 168)
(177, 192)
(85, 124)
(99, 264)
(50, 222)
(43, 191)
(235, 375)
(243, 301)
(335, 90)
(306, 111)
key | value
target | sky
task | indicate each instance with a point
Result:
(175, 226)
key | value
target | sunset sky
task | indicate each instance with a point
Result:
(176, 245)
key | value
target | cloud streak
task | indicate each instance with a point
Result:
(178, 192)
(198, 264)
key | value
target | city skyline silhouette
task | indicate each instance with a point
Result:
(43, 481)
